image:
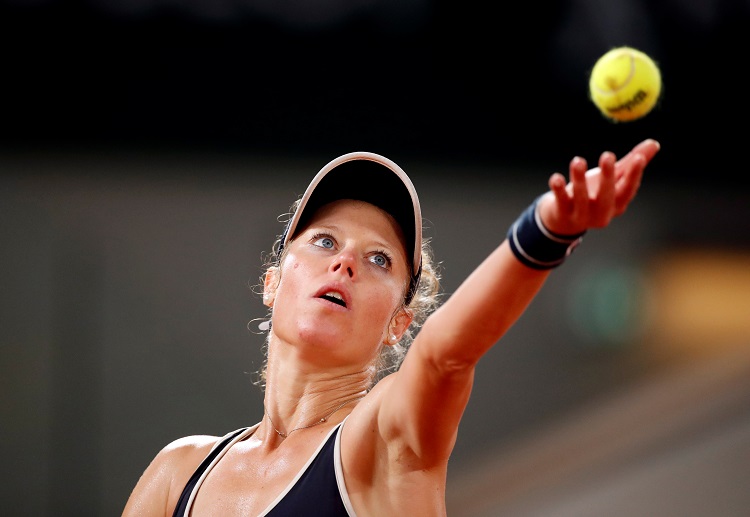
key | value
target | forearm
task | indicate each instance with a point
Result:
(495, 295)
(483, 308)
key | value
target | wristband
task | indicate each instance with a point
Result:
(535, 245)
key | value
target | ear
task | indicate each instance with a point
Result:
(270, 283)
(399, 325)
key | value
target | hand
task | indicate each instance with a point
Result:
(593, 198)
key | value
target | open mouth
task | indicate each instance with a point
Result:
(334, 297)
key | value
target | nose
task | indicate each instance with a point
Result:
(345, 263)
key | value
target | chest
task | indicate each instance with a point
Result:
(251, 480)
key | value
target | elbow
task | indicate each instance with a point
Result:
(446, 353)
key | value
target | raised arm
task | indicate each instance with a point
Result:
(435, 380)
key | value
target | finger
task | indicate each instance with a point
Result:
(578, 182)
(601, 191)
(629, 183)
(646, 150)
(605, 195)
(607, 170)
(557, 185)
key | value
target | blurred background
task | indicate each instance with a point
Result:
(148, 147)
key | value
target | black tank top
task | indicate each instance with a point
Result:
(318, 490)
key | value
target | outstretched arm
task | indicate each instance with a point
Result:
(434, 382)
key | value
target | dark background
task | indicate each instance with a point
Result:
(444, 80)
(147, 148)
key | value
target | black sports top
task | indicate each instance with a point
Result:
(317, 489)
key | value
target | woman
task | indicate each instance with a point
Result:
(348, 428)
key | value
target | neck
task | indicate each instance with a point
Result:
(323, 419)
(292, 405)
(299, 394)
(292, 379)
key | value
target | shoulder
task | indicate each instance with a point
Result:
(187, 448)
(183, 456)
(183, 448)
(161, 484)
(184, 453)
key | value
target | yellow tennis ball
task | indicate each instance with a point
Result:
(625, 84)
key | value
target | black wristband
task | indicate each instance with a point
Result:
(536, 246)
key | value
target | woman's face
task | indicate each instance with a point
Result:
(343, 277)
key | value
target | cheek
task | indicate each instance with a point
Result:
(386, 298)
(291, 277)
(286, 281)
(397, 292)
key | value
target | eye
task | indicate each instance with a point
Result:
(381, 259)
(322, 240)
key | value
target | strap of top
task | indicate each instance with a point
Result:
(185, 501)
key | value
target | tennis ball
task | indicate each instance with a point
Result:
(625, 84)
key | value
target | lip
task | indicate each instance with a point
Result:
(336, 287)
